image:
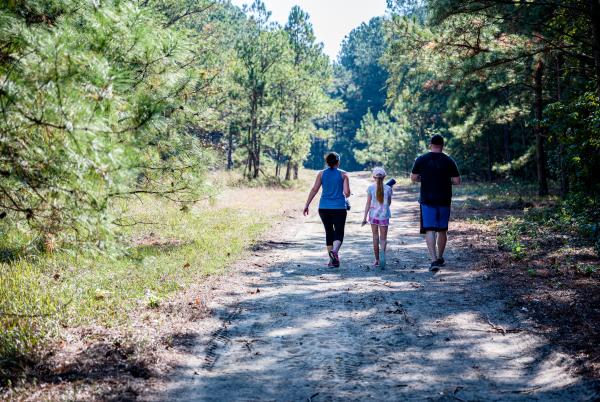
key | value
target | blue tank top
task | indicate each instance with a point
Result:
(332, 194)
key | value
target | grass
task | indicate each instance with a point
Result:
(499, 195)
(41, 294)
(532, 228)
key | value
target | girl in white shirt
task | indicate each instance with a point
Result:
(377, 209)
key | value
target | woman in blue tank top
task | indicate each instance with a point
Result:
(332, 207)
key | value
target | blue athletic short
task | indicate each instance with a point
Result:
(434, 218)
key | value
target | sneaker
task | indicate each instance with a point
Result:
(330, 264)
(440, 262)
(335, 259)
(434, 266)
(382, 260)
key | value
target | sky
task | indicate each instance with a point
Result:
(332, 19)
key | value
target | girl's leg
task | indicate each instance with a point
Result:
(383, 231)
(375, 231)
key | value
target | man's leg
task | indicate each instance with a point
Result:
(430, 238)
(442, 238)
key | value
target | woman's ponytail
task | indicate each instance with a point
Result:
(380, 193)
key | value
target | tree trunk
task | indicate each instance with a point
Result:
(507, 152)
(539, 134)
(288, 171)
(490, 162)
(230, 149)
(277, 168)
(296, 171)
(562, 174)
(254, 145)
(594, 10)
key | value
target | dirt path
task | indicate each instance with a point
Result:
(285, 327)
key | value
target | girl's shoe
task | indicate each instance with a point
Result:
(375, 264)
(335, 258)
(382, 260)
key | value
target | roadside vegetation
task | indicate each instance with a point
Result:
(114, 118)
(542, 255)
(47, 298)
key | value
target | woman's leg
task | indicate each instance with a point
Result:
(327, 220)
(375, 231)
(339, 225)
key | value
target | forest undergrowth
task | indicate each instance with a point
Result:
(543, 253)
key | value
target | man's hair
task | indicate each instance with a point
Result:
(437, 140)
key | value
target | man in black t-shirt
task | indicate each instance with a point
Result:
(436, 172)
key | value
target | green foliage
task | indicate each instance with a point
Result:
(93, 105)
(360, 83)
(281, 79)
(105, 101)
(387, 142)
(511, 86)
(509, 238)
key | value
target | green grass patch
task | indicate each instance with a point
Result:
(40, 293)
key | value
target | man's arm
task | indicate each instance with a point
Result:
(415, 175)
(454, 173)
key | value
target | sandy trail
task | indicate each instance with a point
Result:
(355, 333)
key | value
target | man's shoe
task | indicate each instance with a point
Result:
(434, 266)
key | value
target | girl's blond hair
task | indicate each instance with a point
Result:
(380, 192)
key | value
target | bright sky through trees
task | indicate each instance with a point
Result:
(332, 19)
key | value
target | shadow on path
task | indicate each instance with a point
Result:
(303, 331)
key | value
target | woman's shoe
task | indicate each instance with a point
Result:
(335, 258)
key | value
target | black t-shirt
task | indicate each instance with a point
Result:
(436, 170)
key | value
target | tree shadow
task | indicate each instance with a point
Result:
(359, 334)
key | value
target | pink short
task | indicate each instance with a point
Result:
(380, 222)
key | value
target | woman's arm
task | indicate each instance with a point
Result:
(313, 191)
(367, 207)
(346, 186)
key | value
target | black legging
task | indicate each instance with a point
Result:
(334, 221)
